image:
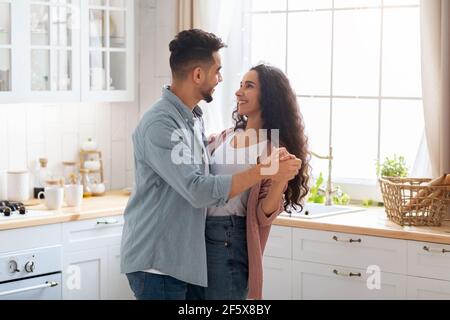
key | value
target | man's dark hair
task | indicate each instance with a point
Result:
(191, 48)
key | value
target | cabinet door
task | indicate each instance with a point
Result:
(321, 281)
(425, 289)
(279, 243)
(85, 274)
(118, 287)
(93, 233)
(53, 47)
(8, 50)
(277, 283)
(107, 50)
(359, 251)
(429, 260)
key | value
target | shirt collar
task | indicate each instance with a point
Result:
(183, 109)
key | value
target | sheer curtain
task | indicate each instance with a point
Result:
(435, 45)
(223, 18)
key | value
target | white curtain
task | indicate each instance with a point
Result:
(224, 19)
(435, 45)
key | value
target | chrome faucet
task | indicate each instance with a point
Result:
(329, 191)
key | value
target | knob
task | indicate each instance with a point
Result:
(29, 266)
(12, 266)
(6, 211)
(22, 210)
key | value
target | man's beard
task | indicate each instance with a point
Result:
(207, 96)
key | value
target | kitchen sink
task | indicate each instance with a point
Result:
(316, 210)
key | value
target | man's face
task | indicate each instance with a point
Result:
(212, 78)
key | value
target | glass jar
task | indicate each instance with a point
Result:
(85, 181)
(70, 172)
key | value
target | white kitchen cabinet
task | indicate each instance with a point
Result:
(428, 289)
(85, 274)
(317, 264)
(9, 57)
(329, 282)
(429, 260)
(277, 278)
(92, 250)
(66, 50)
(117, 283)
(279, 243)
(107, 47)
(347, 249)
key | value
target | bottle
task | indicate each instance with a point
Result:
(41, 177)
(85, 181)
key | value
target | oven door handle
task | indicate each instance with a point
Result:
(47, 284)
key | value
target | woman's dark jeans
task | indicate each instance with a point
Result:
(226, 253)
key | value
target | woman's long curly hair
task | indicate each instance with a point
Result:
(280, 110)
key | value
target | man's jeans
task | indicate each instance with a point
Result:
(151, 286)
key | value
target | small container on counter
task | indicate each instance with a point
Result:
(85, 181)
(18, 186)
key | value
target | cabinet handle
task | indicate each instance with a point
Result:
(350, 274)
(112, 221)
(428, 249)
(346, 240)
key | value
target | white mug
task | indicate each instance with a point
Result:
(74, 194)
(18, 186)
(54, 197)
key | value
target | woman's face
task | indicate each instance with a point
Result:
(248, 95)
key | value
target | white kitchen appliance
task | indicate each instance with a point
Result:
(33, 274)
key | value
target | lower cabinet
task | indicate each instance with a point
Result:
(91, 260)
(117, 283)
(85, 274)
(319, 281)
(314, 264)
(428, 289)
(277, 278)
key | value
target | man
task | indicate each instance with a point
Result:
(163, 246)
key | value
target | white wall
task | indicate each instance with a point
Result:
(158, 26)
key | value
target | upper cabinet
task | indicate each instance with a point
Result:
(53, 47)
(5, 48)
(107, 50)
(66, 50)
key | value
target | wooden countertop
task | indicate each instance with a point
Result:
(371, 221)
(111, 204)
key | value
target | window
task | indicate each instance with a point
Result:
(355, 66)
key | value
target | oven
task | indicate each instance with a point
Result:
(31, 274)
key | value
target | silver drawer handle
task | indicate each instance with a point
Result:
(346, 240)
(47, 284)
(350, 274)
(426, 248)
(112, 221)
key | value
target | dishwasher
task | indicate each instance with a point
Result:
(33, 274)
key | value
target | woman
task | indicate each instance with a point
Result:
(237, 233)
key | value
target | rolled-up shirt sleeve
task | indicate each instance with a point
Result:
(162, 152)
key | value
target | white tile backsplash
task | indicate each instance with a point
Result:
(118, 179)
(119, 118)
(35, 124)
(56, 132)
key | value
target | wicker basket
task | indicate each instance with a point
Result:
(412, 202)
